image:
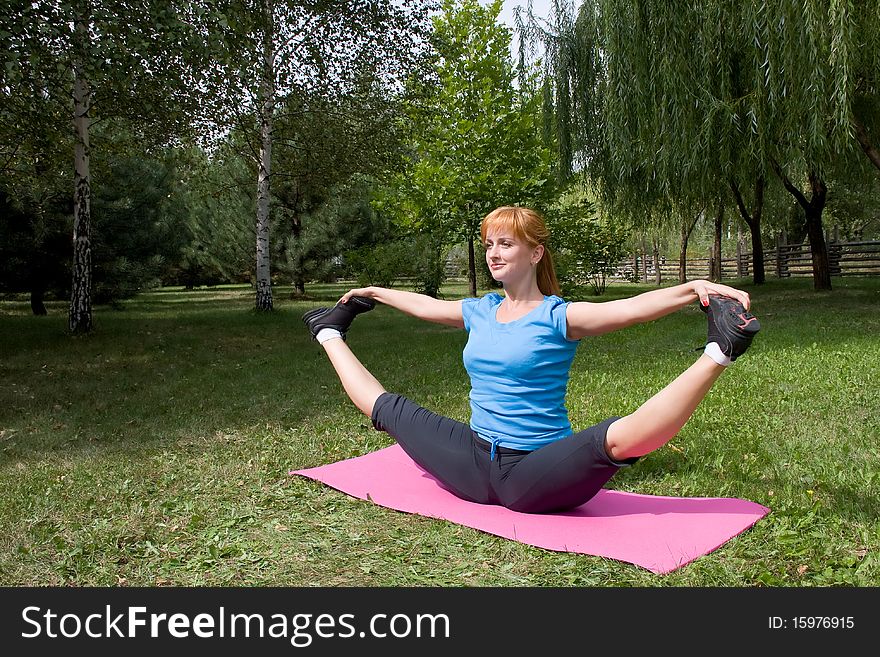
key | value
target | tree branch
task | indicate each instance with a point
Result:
(794, 191)
(739, 201)
(865, 142)
(6, 165)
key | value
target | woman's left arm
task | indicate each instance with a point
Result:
(587, 318)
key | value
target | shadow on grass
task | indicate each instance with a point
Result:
(149, 376)
(145, 378)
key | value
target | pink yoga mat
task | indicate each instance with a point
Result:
(657, 533)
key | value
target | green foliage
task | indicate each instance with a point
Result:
(136, 70)
(327, 153)
(476, 139)
(854, 196)
(144, 230)
(316, 231)
(715, 89)
(414, 258)
(428, 265)
(586, 249)
(660, 105)
(381, 264)
(325, 80)
(34, 247)
(854, 207)
(140, 227)
(143, 64)
(219, 243)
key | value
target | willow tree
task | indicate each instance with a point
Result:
(864, 76)
(568, 48)
(684, 102)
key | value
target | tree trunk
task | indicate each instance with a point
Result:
(818, 247)
(472, 267)
(644, 260)
(267, 91)
(80, 315)
(813, 208)
(299, 281)
(37, 305)
(658, 274)
(753, 221)
(758, 273)
(37, 279)
(682, 254)
(715, 270)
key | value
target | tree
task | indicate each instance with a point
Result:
(34, 247)
(863, 52)
(215, 188)
(136, 60)
(141, 221)
(579, 112)
(586, 248)
(752, 217)
(307, 51)
(326, 230)
(329, 146)
(476, 138)
(682, 101)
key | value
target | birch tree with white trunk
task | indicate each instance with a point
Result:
(80, 314)
(311, 49)
(264, 169)
(140, 63)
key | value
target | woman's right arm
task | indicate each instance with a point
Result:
(417, 305)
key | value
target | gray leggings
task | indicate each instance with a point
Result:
(556, 477)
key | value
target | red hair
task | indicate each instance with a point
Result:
(527, 225)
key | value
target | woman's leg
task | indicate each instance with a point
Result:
(441, 446)
(328, 326)
(656, 421)
(361, 386)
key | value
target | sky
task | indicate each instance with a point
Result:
(539, 7)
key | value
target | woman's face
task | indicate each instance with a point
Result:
(509, 258)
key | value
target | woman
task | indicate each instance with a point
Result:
(519, 449)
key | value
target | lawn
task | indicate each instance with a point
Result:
(155, 451)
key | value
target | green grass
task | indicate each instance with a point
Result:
(155, 451)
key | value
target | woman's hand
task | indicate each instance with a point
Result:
(368, 292)
(704, 288)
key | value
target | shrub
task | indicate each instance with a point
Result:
(381, 264)
(418, 258)
(586, 249)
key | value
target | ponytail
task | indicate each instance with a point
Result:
(547, 281)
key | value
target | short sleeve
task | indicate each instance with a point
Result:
(474, 308)
(558, 316)
(468, 306)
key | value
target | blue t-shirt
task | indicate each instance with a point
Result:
(519, 372)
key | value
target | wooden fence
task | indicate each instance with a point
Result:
(783, 261)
